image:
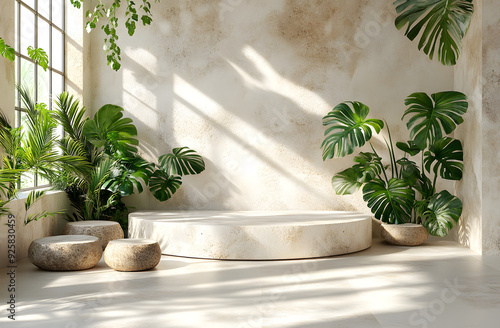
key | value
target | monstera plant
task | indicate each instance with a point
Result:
(109, 143)
(441, 24)
(402, 191)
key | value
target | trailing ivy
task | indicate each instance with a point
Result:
(107, 16)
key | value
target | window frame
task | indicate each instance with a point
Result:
(50, 69)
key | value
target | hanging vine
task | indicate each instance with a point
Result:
(107, 16)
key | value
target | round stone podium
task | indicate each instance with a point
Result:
(240, 235)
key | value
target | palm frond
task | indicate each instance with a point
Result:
(33, 196)
(70, 115)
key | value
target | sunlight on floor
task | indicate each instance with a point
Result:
(439, 284)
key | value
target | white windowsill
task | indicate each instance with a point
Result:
(23, 193)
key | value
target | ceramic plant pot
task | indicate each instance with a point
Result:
(408, 234)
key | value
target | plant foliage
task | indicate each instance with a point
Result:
(7, 51)
(441, 24)
(31, 149)
(391, 202)
(38, 55)
(434, 116)
(106, 15)
(402, 191)
(348, 128)
(108, 142)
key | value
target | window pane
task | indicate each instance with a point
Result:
(58, 12)
(57, 85)
(44, 8)
(57, 50)
(27, 30)
(28, 76)
(44, 37)
(30, 3)
(27, 181)
(43, 86)
(42, 181)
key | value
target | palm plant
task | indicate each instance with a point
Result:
(30, 150)
(441, 23)
(402, 191)
(109, 144)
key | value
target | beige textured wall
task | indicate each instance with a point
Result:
(78, 59)
(7, 68)
(477, 75)
(6, 95)
(468, 79)
(25, 234)
(246, 83)
(490, 131)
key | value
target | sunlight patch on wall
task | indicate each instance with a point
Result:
(273, 81)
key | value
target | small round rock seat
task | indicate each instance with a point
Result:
(104, 230)
(132, 254)
(65, 253)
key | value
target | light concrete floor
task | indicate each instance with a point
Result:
(439, 284)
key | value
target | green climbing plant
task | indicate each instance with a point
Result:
(106, 16)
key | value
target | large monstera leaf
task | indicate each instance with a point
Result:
(442, 25)
(183, 161)
(369, 164)
(390, 203)
(131, 172)
(348, 128)
(429, 116)
(410, 147)
(410, 171)
(442, 210)
(347, 181)
(368, 167)
(448, 155)
(163, 186)
(109, 129)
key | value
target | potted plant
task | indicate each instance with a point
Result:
(115, 169)
(402, 192)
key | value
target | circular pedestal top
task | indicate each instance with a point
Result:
(250, 218)
(252, 235)
(133, 241)
(66, 239)
(93, 223)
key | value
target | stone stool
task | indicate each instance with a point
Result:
(132, 254)
(104, 230)
(65, 253)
